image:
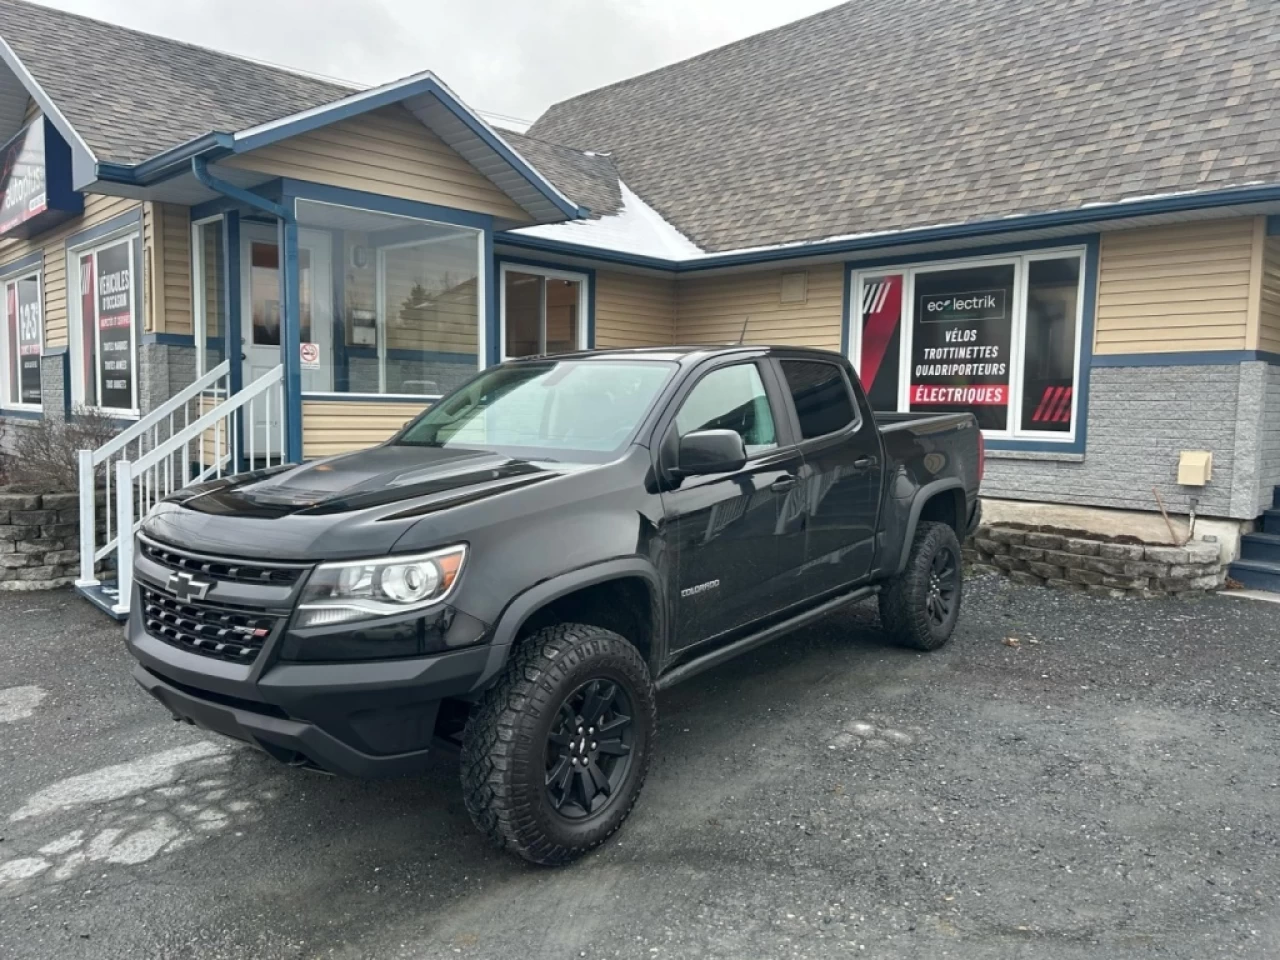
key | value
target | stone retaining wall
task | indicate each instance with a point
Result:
(39, 540)
(1102, 566)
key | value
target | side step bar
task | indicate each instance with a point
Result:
(714, 658)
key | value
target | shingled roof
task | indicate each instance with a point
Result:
(888, 114)
(130, 95)
(590, 179)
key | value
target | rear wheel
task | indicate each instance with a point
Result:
(920, 606)
(556, 752)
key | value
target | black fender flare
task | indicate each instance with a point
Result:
(923, 496)
(524, 605)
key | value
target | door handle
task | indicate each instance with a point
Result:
(862, 463)
(783, 483)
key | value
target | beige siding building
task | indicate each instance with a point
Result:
(323, 263)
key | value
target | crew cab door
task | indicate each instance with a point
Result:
(842, 475)
(738, 537)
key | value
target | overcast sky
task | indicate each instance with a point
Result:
(508, 57)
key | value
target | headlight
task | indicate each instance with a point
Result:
(361, 589)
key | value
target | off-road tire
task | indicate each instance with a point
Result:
(904, 601)
(504, 777)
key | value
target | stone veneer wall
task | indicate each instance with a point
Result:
(1096, 565)
(39, 540)
(1140, 418)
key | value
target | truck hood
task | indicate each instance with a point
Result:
(357, 504)
(368, 478)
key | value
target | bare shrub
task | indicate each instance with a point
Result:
(44, 456)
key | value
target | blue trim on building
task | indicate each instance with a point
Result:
(170, 163)
(1273, 226)
(130, 218)
(1200, 358)
(361, 200)
(66, 380)
(7, 413)
(291, 339)
(588, 272)
(1082, 218)
(1092, 247)
(14, 268)
(168, 339)
(247, 197)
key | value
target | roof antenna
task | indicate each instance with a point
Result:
(743, 336)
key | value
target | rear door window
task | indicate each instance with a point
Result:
(823, 400)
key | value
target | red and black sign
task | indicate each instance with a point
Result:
(961, 343)
(35, 181)
(114, 304)
(881, 340)
(25, 334)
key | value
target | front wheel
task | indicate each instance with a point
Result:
(556, 752)
(920, 606)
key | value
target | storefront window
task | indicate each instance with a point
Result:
(405, 297)
(996, 338)
(1049, 364)
(543, 311)
(22, 344)
(961, 335)
(104, 339)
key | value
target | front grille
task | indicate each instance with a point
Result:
(221, 568)
(224, 633)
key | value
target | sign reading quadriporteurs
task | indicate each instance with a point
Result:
(960, 352)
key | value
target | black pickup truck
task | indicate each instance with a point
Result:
(521, 567)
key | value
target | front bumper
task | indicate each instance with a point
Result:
(366, 719)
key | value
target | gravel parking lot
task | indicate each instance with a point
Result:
(1106, 787)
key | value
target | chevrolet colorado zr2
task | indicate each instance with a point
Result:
(520, 569)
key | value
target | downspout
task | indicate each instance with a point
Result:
(291, 329)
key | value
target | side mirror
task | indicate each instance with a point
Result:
(710, 451)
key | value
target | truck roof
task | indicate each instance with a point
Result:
(684, 355)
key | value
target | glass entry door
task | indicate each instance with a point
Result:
(261, 321)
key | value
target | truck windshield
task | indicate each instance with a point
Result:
(582, 411)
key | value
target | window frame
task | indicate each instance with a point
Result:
(337, 267)
(130, 234)
(7, 280)
(546, 273)
(1020, 260)
(850, 428)
(199, 317)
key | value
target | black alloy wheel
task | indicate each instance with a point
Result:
(555, 753)
(589, 749)
(944, 586)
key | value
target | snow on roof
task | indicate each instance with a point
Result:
(636, 229)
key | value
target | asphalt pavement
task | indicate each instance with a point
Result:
(1070, 778)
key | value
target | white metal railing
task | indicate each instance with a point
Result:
(200, 434)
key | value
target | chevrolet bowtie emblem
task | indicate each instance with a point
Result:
(186, 587)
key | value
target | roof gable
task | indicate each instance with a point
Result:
(142, 107)
(886, 114)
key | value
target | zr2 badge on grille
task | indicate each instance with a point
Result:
(186, 587)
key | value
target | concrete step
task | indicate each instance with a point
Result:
(1261, 547)
(1256, 574)
(1271, 521)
